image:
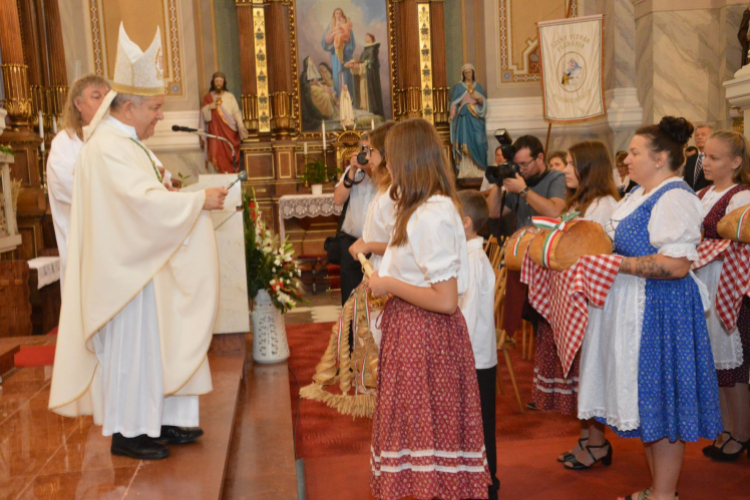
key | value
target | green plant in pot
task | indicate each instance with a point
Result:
(316, 174)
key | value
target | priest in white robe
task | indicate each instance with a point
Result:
(142, 277)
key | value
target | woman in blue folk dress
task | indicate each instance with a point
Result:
(646, 364)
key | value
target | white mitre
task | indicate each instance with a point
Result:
(136, 73)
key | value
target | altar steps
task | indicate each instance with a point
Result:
(247, 451)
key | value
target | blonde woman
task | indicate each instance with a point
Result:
(84, 98)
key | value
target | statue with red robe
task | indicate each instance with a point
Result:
(221, 116)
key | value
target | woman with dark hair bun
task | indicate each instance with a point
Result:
(646, 365)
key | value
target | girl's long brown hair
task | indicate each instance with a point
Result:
(593, 167)
(377, 142)
(419, 168)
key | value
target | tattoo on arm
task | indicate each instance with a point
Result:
(645, 267)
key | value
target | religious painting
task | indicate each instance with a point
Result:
(343, 64)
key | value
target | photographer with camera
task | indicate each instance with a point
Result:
(531, 187)
(355, 190)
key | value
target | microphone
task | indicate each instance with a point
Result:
(242, 176)
(178, 128)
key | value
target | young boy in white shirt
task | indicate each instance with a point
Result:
(477, 306)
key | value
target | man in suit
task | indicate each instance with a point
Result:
(693, 172)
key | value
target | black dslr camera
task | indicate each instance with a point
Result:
(496, 175)
(363, 156)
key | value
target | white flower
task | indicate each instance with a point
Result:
(277, 262)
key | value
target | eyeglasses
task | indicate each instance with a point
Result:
(525, 164)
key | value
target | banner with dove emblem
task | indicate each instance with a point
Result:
(572, 53)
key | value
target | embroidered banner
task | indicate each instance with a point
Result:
(572, 68)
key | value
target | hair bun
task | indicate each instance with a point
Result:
(677, 128)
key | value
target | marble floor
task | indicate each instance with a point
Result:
(46, 456)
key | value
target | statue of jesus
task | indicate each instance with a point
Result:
(221, 116)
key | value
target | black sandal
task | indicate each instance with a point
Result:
(712, 448)
(568, 456)
(606, 460)
(721, 456)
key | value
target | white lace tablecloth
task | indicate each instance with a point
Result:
(47, 269)
(300, 206)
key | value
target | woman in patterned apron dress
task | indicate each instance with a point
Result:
(427, 436)
(727, 164)
(592, 193)
(646, 365)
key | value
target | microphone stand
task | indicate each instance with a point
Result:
(218, 138)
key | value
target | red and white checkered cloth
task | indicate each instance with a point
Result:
(710, 250)
(735, 276)
(563, 297)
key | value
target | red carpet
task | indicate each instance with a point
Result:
(38, 355)
(336, 448)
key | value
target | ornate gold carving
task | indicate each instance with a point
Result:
(58, 94)
(409, 103)
(261, 70)
(441, 103)
(425, 61)
(17, 92)
(282, 109)
(250, 111)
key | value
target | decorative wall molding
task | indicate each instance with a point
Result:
(167, 141)
(524, 115)
(644, 7)
(529, 68)
(171, 30)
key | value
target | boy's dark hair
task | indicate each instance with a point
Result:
(474, 206)
(531, 142)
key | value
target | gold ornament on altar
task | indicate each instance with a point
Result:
(356, 370)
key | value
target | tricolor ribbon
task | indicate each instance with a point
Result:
(338, 343)
(556, 227)
(518, 242)
(741, 221)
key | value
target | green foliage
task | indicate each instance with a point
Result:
(270, 264)
(318, 173)
(6, 150)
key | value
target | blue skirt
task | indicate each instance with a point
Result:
(678, 394)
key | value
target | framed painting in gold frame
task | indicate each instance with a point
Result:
(344, 57)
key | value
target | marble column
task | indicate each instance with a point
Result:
(684, 57)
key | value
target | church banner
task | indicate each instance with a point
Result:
(572, 55)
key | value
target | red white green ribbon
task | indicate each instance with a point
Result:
(338, 342)
(518, 242)
(741, 222)
(556, 227)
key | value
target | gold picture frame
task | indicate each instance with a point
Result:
(392, 68)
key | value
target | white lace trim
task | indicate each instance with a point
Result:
(614, 422)
(679, 250)
(738, 353)
(444, 274)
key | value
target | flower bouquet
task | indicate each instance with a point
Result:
(270, 263)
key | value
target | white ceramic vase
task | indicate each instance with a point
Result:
(269, 331)
(317, 189)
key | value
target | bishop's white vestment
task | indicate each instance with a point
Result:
(140, 296)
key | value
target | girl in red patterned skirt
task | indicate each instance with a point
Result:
(427, 438)
(592, 193)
